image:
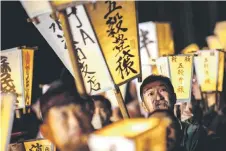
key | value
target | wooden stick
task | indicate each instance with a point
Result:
(72, 53)
(121, 103)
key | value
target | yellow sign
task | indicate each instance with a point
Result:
(116, 31)
(180, 70)
(133, 134)
(220, 71)
(209, 66)
(165, 39)
(28, 57)
(42, 145)
(7, 115)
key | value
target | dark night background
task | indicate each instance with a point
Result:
(191, 22)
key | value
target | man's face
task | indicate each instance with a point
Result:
(156, 95)
(66, 125)
(103, 111)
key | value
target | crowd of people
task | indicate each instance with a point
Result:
(67, 119)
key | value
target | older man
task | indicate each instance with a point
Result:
(157, 92)
(65, 117)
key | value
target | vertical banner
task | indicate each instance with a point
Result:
(115, 25)
(209, 67)
(7, 115)
(39, 145)
(28, 60)
(92, 65)
(180, 70)
(165, 39)
(12, 74)
(220, 71)
(148, 42)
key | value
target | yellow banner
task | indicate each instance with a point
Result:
(28, 59)
(181, 69)
(165, 39)
(39, 145)
(115, 25)
(220, 71)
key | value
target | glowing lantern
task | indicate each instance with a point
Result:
(133, 134)
(209, 67)
(180, 70)
(7, 115)
(17, 74)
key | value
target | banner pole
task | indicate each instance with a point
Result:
(72, 53)
(121, 103)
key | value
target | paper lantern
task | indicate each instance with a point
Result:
(180, 70)
(131, 134)
(17, 74)
(155, 40)
(209, 67)
(7, 116)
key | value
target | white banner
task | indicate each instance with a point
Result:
(94, 70)
(12, 74)
(148, 42)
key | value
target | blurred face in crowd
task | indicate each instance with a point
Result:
(186, 111)
(103, 111)
(65, 125)
(172, 132)
(156, 95)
